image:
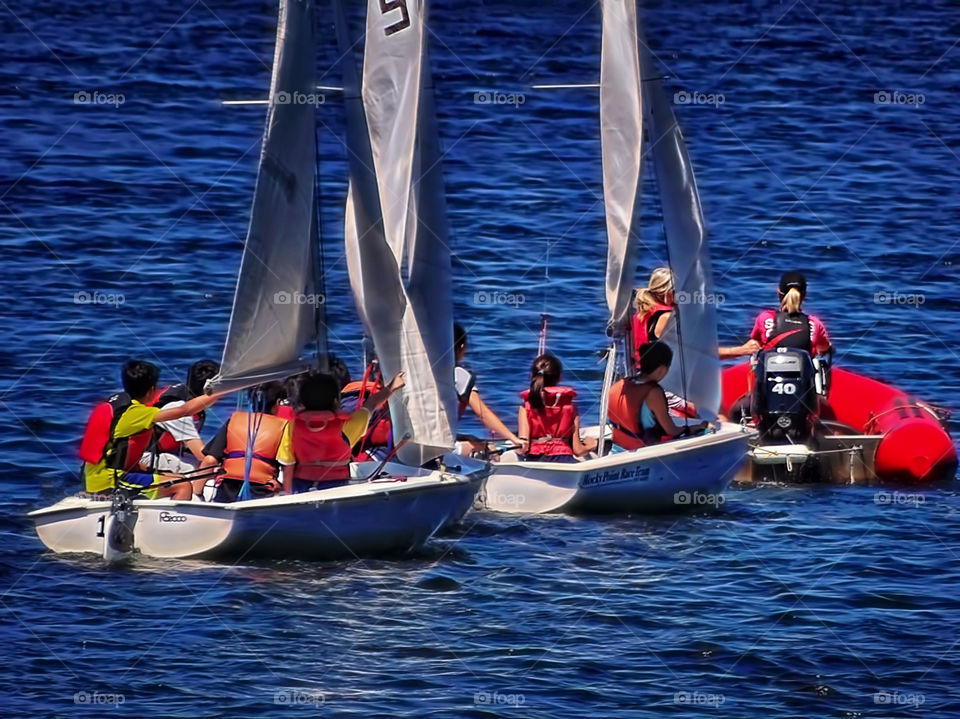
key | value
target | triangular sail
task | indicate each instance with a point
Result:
(620, 136)
(695, 373)
(395, 228)
(275, 307)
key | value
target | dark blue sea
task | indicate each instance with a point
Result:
(825, 137)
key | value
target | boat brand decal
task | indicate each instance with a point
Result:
(625, 474)
(403, 23)
(167, 517)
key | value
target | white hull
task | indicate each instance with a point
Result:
(380, 517)
(671, 476)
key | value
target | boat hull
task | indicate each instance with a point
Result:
(392, 515)
(672, 476)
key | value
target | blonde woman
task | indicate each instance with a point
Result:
(786, 327)
(655, 304)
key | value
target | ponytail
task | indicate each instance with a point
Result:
(791, 301)
(661, 282)
(536, 392)
(545, 372)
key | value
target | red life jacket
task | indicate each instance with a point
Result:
(285, 411)
(322, 452)
(353, 396)
(99, 444)
(551, 428)
(642, 330)
(265, 467)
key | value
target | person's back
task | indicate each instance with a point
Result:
(638, 407)
(249, 448)
(549, 424)
(323, 437)
(654, 306)
(121, 442)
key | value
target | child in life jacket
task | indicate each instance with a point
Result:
(323, 436)
(549, 423)
(638, 408)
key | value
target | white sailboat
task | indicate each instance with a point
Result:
(392, 507)
(682, 472)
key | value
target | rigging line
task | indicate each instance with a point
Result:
(319, 269)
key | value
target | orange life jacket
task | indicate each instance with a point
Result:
(623, 411)
(642, 332)
(551, 428)
(352, 397)
(322, 452)
(265, 467)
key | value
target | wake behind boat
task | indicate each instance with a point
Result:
(635, 114)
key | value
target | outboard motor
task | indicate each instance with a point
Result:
(785, 396)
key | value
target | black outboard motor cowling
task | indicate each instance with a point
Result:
(785, 395)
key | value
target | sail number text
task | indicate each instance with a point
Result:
(403, 23)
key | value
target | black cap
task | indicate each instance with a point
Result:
(793, 280)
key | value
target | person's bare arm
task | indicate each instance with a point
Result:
(196, 448)
(490, 419)
(523, 430)
(581, 448)
(748, 348)
(188, 408)
(657, 402)
(378, 399)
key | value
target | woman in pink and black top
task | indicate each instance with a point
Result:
(786, 327)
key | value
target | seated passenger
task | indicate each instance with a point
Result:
(786, 327)
(120, 428)
(655, 305)
(320, 446)
(176, 445)
(638, 409)
(468, 396)
(549, 424)
(229, 447)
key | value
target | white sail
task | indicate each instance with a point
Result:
(275, 307)
(395, 228)
(695, 373)
(620, 136)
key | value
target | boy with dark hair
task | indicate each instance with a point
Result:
(176, 445)
(119, 429)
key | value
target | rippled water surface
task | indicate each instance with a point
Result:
(786, 602)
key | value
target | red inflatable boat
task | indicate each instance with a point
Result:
(866, 431)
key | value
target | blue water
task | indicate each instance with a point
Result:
(786, 602)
